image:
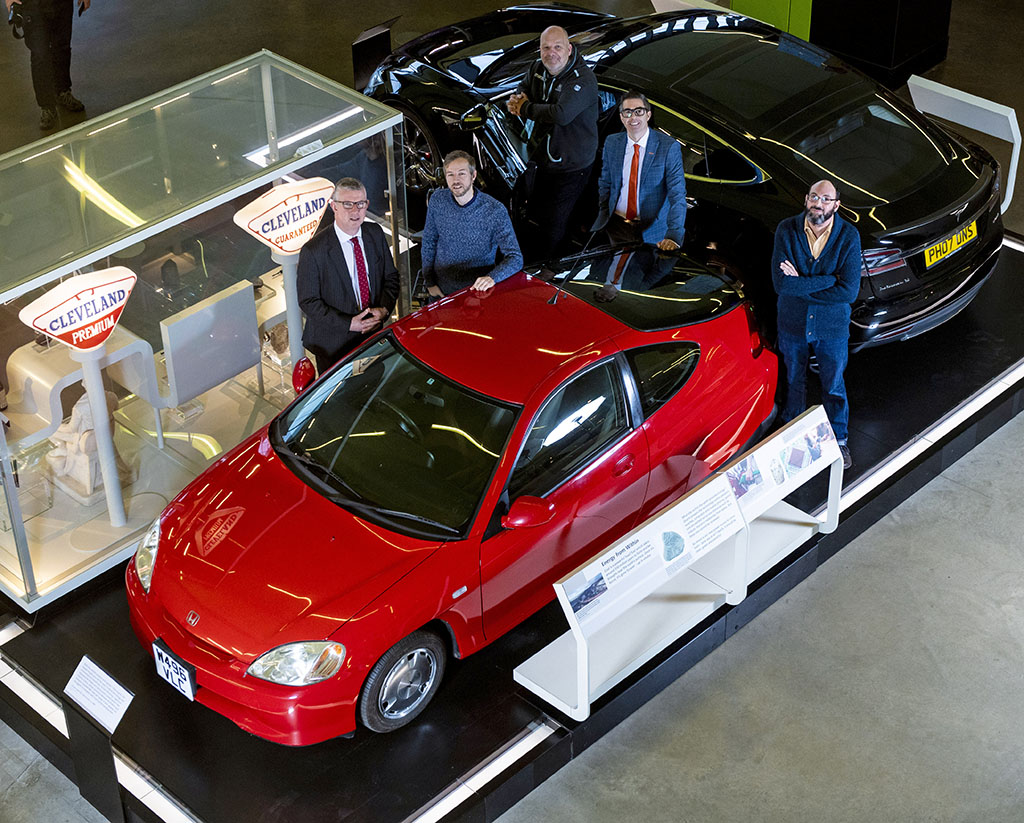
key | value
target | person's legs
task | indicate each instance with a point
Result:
(794, 351)
(551, 205)
(60, 17)
(832, 358)
(37, 38)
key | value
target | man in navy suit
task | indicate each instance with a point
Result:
(347, 280)
(641, 191)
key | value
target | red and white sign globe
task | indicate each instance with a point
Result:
(84, 309)
(285, 217)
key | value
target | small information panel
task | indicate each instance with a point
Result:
(650, 555)
(98, 694)
(783, 463)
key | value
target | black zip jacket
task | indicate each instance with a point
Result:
(567, 107)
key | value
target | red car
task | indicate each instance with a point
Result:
(420, 498)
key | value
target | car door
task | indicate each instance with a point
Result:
(582, 474)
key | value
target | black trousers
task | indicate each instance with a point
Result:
(551, 204)
(48, 37)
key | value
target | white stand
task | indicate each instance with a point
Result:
(290, 271)
(92, 377)
(639, 596)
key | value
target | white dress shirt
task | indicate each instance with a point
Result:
(350, 259)
(627, 164)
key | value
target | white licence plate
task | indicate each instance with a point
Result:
(174, 670)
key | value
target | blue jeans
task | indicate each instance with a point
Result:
(832, 356)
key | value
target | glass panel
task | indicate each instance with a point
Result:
(16, 489)
(122, 174)
(154, 187)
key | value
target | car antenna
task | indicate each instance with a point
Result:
(572, 270)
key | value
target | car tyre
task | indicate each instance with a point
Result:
(403, 682)
(422, 154)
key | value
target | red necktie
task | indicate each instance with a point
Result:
(634, 174)
(619, 266)
(364, 282)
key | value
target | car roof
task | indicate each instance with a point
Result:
(504, 342)
(728, 64)
(655, 290)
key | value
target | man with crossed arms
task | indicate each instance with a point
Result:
(347, 280)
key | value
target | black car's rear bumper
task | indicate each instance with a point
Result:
(885, 321)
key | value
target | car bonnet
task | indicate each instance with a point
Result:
(257, 559)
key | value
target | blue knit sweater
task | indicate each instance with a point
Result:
(816, 305)
(461, 243)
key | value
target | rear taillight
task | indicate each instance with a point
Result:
(877, 261)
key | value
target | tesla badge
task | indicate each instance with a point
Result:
(192, 618)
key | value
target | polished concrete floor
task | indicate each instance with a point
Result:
(886, 687)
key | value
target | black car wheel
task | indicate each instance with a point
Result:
(422, 155)
(402, 682)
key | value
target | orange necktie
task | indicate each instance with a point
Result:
(634, 174)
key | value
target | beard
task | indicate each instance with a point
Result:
(816, 218)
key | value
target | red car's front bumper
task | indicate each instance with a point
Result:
(283, 714)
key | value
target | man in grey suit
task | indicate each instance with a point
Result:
(641, 190)
(347, 280)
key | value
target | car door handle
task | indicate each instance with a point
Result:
(624, 465)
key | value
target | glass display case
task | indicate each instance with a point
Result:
(200, 358)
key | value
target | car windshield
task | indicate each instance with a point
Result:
(395, 442)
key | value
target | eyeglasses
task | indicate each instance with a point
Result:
(821, 198)
(639, 112)
(348, 205)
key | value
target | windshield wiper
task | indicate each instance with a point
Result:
(329, 478)
(416, 518)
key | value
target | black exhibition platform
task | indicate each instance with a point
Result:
(222, 775)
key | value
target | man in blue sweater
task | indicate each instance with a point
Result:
(816, 271)
(468, 238)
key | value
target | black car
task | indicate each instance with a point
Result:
(760, 115)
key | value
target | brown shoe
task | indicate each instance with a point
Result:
(69, 102)
(47, 119)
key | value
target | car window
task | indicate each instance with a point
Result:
(704, 155)
(395, 442)
(662, 370)
(577, 423)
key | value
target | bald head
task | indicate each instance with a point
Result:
(555, 49)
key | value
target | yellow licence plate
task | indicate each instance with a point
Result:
(944, 248)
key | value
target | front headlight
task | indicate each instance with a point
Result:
(299, 664)
(145, 557)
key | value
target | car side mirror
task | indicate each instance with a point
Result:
(528, 511)
(474, 118)
(303, 374)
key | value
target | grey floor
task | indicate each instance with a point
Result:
(888, 686)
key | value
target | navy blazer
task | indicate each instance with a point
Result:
(325, 290)
(662, 196)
